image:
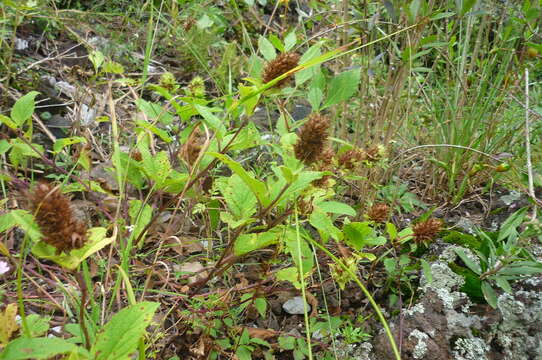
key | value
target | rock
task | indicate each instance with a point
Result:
(294, 306)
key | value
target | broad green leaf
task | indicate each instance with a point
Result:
(503, 284)
(62, 143)
(391, 230)
(311, 54)
(250, 104)
(20, 151)
(315, 96)
(321, 221)
(24, 108)
(37, 348)
(140, 216)
(240, 199)
(266, 48)
(97, 240)
(97, 59)
(24, 220)
(298, 247)
(8, 122)
(342, 87)
(261, 305)
(256, 186)
(361, 234)
(37, 324)
(489, 294)
(154, 111)
(249, 242)
(290, 40)
(336, 207)
(211, 120)
(470, 264)
(162, 134)
(119, 338)
(466, 6)
(276, 42)
(290, 274)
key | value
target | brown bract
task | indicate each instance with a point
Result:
(379, 212)
(53, 213)
(278, 66)
(189, 152)
(312, 142)
(352, 158)
(426, 231)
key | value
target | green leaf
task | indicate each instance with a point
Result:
(97, 240)
(427, 271)
(261, 305)
(315, 96)
(246, 243)
(243, 352)
(38, 325)
(240, 199)
(140, 216)
(97, 59)
(276, 42)
(361, 234)
(290, 274)
(342, 87)
(466, 6)
(24, 108)
(8, 122)
(299, 248)
(24, 220)
(290, 40)
(303, 75)
(287, 342)
(211, 120)
(256, 186)
(470, 264)
(321, 221)
(36, 348)
(62, 143)
(489, 294)
(119, 338)
(336, 207)
(391, 230)
(266, 48)
(154, 111)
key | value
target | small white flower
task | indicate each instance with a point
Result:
(4, 267)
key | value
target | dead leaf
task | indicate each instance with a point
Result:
(192, 267)
(260, 333)
(8, 323)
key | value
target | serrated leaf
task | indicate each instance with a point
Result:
(37, 348)
(119, 338)
(211, 120)
(246, 243)
(38, 325)
(23, 108)
(256, 186)
(342, 87)
(240, 199)
(303, 75)
(391, 230)
(276, 42)
(266, 48)
(154, 111)
(361, 234)
(299, 249)
(97, 240)
(290, 274)
(261, 305)
(321, 221)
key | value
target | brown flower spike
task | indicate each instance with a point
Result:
(426, 231)
(278, 66)
(189, 152)
(54, 215)
(352, 158)
(311, 145)
(379, 213)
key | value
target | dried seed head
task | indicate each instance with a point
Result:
(426, 231)
(352, 158)
(312, 139)
(53, 213)
(379, 212)
(189, 152)
(376, 153)
(278, 66)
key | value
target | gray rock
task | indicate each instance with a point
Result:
(294, 306)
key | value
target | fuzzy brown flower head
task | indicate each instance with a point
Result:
(379, 212)
(189, 152)
(312, 139)
(326, 159)
(352, 158)
(376, 153)
(280, 65)
(53, 213)
(426, 231)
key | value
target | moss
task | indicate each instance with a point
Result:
(462, 239)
